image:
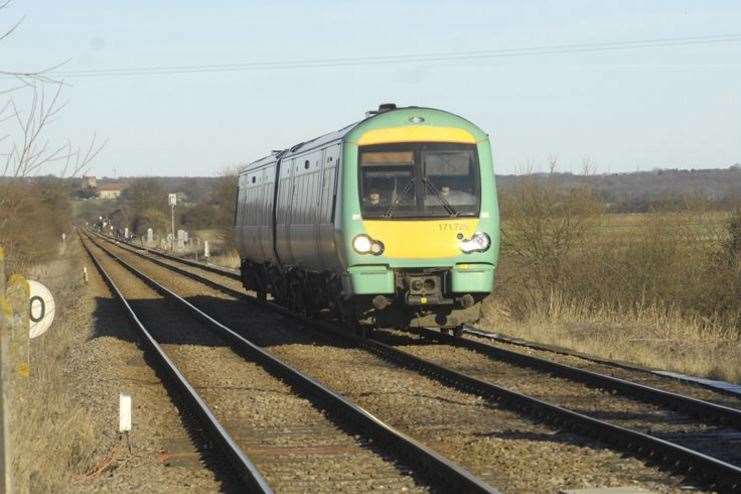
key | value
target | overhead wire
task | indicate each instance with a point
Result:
(400, 59)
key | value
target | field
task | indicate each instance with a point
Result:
(660, 289)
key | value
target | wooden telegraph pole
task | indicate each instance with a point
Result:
(5, 484)
(14, 369)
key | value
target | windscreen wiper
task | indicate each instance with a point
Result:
(450, 209)
(398, 199)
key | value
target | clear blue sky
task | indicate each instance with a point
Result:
(675, 106)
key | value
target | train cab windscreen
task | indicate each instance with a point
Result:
(420, 180)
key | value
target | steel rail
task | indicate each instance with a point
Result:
(471, 330)
(229, 273)
(431, 465)
(676, 457)
(243, 466)
(701, 409)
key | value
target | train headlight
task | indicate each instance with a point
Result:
(363, 244)
(377, 248)
(479, 242)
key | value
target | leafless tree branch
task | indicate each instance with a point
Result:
(26, 78)
(31, 151)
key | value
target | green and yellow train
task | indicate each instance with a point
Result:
(390, 221)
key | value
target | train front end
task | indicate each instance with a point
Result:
(420, 226)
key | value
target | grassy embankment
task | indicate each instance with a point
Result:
(660, 289)
(55, 443)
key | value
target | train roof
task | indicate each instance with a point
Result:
(333, 136)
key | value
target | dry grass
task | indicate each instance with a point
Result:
(55, 442)
(650, 336)
(661, 289)
(227, 259)
(221, 250)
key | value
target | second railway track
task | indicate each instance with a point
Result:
(665, 451)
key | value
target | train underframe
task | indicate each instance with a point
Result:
(421, 298)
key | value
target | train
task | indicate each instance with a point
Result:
(392, 221)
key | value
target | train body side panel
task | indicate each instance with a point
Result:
(304, 209)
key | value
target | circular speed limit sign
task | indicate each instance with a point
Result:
(41, 309)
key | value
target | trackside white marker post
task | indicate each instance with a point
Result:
(124, 416)
(124, 412)
(173, 200)
(206, 252)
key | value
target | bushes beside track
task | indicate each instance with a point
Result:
(662, 288)
(33, 216)
(559, 244)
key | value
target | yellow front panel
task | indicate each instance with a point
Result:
(415, 239)
(416, 133)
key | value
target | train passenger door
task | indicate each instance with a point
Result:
(267, 182)
(325, 226)
(317, 162)
(303, 214)
(239, 227)
(284, 209)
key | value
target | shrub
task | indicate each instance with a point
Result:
(543, 226)
(155, 219)
(199, 217)
(33, 215)
(560, 250)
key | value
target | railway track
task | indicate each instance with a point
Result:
(610, 367)
(699, 425)
(321, 423)
(705, 411)
(698, 465)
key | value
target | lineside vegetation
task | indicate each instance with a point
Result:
(662, 288)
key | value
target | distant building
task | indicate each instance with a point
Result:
(89, 183)
(110, 191)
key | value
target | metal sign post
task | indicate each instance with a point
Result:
(172, 199)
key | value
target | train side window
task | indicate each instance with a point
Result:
(253, 179)
(306, 164)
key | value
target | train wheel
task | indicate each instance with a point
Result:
(458, 331)
(364, 331)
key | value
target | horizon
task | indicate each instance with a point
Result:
(735, 167)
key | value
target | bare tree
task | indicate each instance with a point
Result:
(28, 150)
(32, 151)
(587, 166)
(27, 113)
